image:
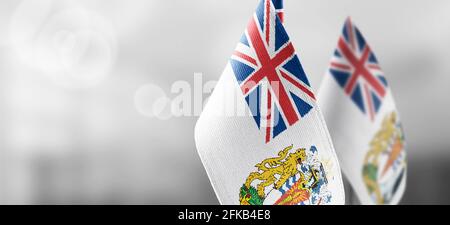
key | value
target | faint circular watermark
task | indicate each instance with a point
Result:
(74, 46)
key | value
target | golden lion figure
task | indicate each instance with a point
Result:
(285, 165)
(381, 141)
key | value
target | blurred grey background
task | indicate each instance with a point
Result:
(77, 78)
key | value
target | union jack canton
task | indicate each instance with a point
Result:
(270, 74)
(355, 68)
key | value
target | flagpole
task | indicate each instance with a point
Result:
(279, 7)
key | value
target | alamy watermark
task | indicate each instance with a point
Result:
(190, 99)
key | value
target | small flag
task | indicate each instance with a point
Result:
(278, 151)
(360, 112)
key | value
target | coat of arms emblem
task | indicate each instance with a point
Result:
(294, 177)
(385, 163)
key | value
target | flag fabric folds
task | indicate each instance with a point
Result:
(261, 137)
(364, 124)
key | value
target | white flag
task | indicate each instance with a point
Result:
(261, 136)
(363, 121)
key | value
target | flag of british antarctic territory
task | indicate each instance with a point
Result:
(261, 136)
(364, 124)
